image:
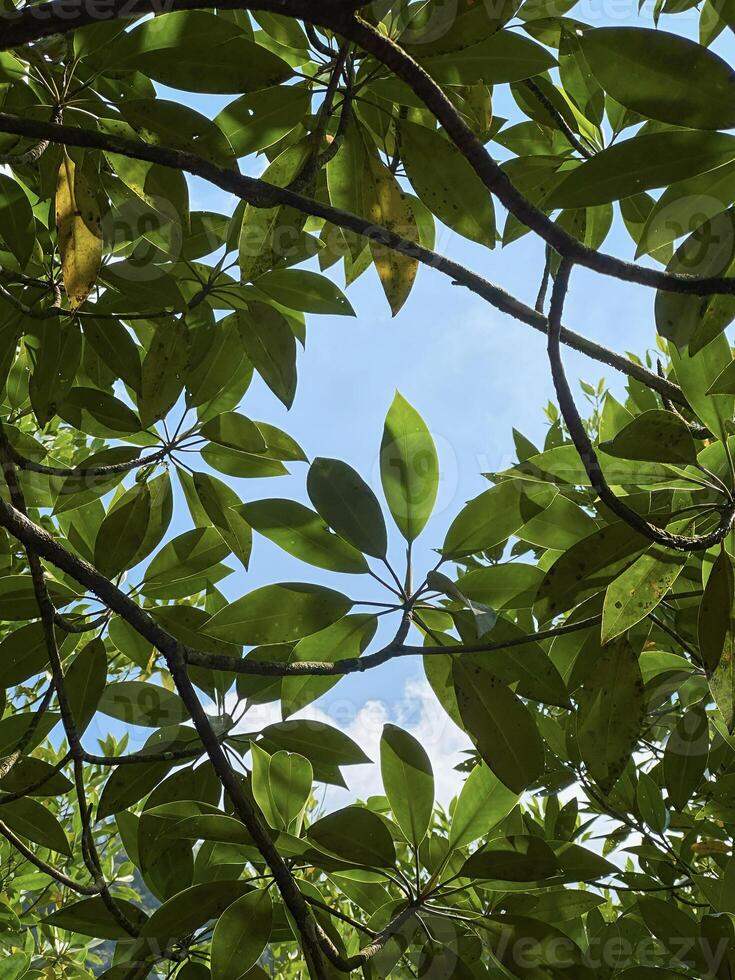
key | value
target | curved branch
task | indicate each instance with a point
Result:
(260, 194)
(48, 869)
(587, 454)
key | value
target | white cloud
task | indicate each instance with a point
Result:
(417, 711)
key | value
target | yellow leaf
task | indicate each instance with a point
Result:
(79, 232)
(390, 208)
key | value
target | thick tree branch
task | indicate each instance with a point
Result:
(586, 451)
(260, 194)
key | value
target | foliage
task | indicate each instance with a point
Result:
(578, 622)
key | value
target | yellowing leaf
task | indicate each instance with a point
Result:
(390, 208)
(78, 226)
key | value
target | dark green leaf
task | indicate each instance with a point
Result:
(348, 505)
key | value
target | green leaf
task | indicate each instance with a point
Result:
(232, 462)
(271, 346)
(187, 554)
(640, 588)
(91, 917)
(300, 289)
(409, 468)
(56, 362)
(129, 784)
(348, 505)
(23, 653)
(32, 820)
(163, 371)
(302, 533)
(84, 681)
(222, 507)
(15, 727)
(510, 585)
(694, 321)
(525, 665)
(193, 907)
(685, 755)
(409, 782)
(278, 613)
(654, 435)
(259, 119)
(343, 640)
(115, 347)
(281, 786)
(356, 835)
(558, 526)
(18, 229)
(447, 183)
(27, 773)
(650, 72)
(686, 206)
(499, 724)
(716, 611)
(241, 935)
(18, 597)
(610, 714)
(651, 804)
(587, 568)
(266, 236)
(122, 531)
(502, 57)
(15, 965)
(518, 858)
(642, 162)
(98, 413)
(201, 52)
(488, 520)
(724, 383)
(141, 703)
(236, 431)
(320, 743)
(716, 634)
(483, 802)
(696, 375)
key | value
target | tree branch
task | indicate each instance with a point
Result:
(587, 453)
(48, 869)
(358, 665)
(560, 121)
(47, 611)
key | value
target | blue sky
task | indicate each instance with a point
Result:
(472, 372)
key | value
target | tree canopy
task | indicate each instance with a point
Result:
(577, 622)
